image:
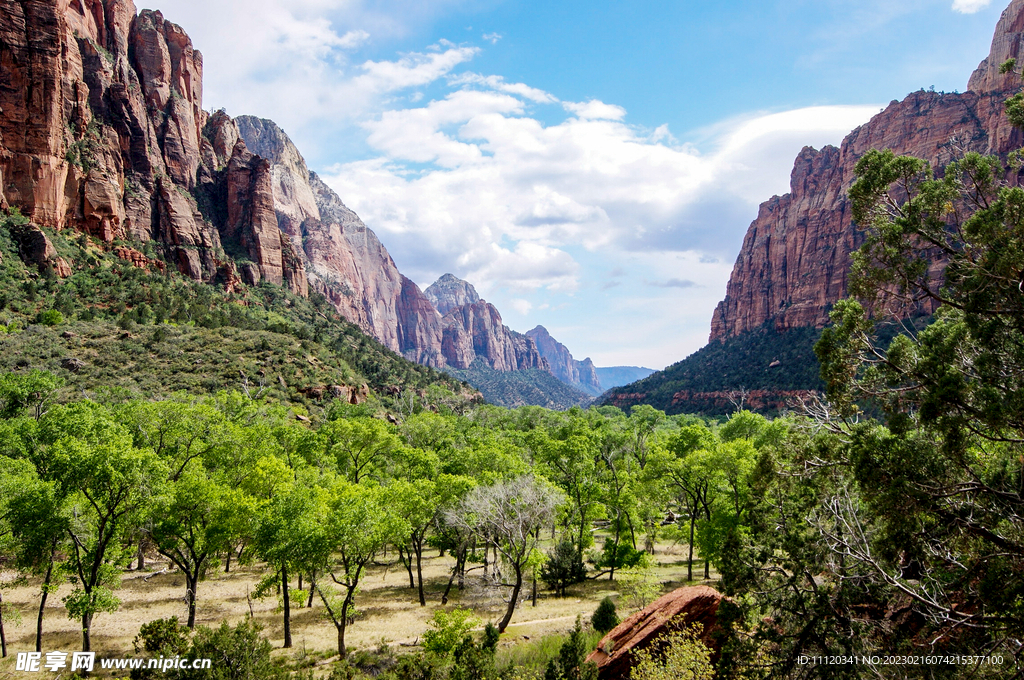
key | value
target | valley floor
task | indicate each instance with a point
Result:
(388, 609)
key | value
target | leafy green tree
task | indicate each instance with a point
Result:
(35, 391)
(113, 483)
(359, 446)
(354, 523)
(190, 524)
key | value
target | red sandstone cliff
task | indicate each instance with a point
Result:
(795, 258)
(448, 325)
(102, 130)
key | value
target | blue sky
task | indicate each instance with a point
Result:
(589, 166)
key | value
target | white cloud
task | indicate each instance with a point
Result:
(492, 38)
(970, 6)
(522, 306)
(595, 110)
(507, 200)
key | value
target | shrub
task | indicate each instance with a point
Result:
(678, 655)
(447, 630)
(50, 317)
(571, 663)
(604, 618)
(563, 568)
(238, 653)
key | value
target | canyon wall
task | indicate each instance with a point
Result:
(795, 259)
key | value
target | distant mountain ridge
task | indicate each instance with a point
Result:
(579, 374)
(614, 376)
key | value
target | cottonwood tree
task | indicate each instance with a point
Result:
(112, 483)
(508, 515)
(355, 522)
(190, 524)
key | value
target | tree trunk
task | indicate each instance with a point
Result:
(191, 583)
(418, 548)
(3, 635)
(312, 589)
(227, 562)
(707, 569)
(42, 603)
(407, 563)
(86, 624)
(344, 622)
(141, 556)
(512, 602)
(287, 608)
(689, 561)
(535, 591)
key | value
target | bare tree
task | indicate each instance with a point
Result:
(508, 515)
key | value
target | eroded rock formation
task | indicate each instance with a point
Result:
(102, 130)
(691, 605)
(795, 259)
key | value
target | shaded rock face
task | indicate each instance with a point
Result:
(343, 259)
(103, 131)
(579, 374)
(475, 331)
(795, 259)
(695, 604)
(449, 292)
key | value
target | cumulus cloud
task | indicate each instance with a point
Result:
(492, 193)
(970, 6)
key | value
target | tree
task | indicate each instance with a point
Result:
(358, 445)
(190, 523)
(564, 567)
(571, 663)
(355, 522)
(113, 482)
(509, 515)
(604, 618)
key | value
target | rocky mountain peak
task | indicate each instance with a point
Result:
(579, 374)
(1007, 43)
(449, 292)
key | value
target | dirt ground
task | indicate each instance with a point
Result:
(388, 610)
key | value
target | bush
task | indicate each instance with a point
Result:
(238, 653)
(679, 654)
(604, 618)
(447, 630)
(50, 317)
(563, 568)
(619, 556)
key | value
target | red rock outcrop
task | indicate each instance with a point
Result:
(795, 258)
(102, 130)
(579, 374)
(691, 605)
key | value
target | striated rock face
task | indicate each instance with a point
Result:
(475, 331)
(695, 604)
(344, 260)
(579, 374)
(449, 292)
(103, 131)
(795, 258)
